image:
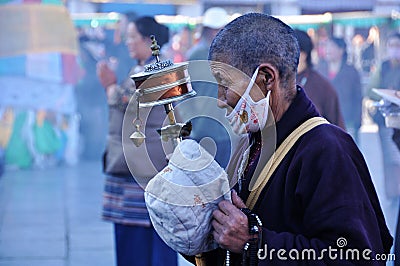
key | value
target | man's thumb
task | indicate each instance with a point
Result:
(237, 201)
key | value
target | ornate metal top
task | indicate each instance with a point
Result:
(158, 66)
(155, 51)
(155, 48)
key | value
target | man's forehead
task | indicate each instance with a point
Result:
(222, 70)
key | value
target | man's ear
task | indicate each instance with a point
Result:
(269, 75)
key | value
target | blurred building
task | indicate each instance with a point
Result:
(274, 7)
(341, 18)
(38, 73)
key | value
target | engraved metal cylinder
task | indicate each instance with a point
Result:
(162, 87)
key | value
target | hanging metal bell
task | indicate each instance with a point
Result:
(137, 137)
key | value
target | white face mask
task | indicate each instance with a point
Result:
(249, 116)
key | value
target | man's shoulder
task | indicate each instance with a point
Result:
(327, 138)
(329, 132)
(328, 147)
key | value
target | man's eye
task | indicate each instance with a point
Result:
(225, 88)
(223, 83)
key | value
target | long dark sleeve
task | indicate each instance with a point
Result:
(331, 197)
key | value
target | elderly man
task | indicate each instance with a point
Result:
(313, 202)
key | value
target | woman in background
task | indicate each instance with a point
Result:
(347, 82)
(317, 87)
(136, 241)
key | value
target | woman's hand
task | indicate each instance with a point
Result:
(106, 76)
(231, 229)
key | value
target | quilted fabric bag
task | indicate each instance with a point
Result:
(182, 197)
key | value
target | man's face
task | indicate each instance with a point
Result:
(232, 84)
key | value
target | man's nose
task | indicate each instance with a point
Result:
(221, 103)
(221, 93)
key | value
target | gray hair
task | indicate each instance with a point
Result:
(256, 38)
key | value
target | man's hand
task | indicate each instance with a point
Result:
(231, 229)
(106, 76)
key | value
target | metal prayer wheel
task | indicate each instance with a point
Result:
(162, 83)
(389, 106)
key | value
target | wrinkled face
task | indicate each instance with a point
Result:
(138, 46)
(231, 84)
(333, 52)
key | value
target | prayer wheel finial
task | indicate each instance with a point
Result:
(155, 48)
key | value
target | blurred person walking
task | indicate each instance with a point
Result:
(387, 76)
(347, 82)
(137, 243)
(178, 46)
(317, 87)
(214, 19)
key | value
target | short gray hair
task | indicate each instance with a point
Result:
(256, 38)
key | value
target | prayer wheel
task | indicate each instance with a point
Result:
(162, 83)
(390, 106)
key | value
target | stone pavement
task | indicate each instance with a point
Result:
(51, 217)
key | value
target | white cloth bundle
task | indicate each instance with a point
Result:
(182, 197)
